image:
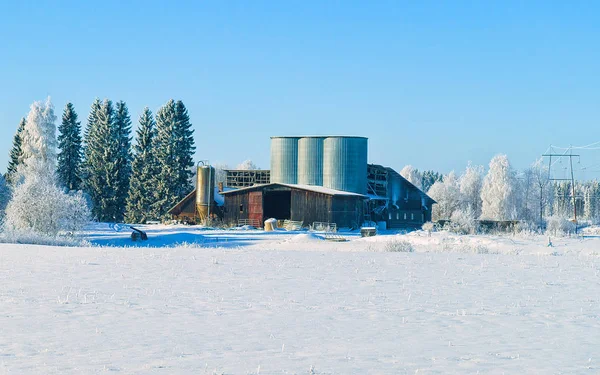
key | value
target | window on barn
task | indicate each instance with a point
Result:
(412, 216)
(405, 216)
(241, 208)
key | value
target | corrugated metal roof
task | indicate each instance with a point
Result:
(316, 189)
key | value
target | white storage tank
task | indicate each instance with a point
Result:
(310, 161)
(284, 160)
(345, 164)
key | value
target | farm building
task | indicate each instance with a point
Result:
(312, 179)
(304, 203)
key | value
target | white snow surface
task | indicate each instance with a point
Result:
(201, 301)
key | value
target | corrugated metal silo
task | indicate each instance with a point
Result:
(284, 160)
(345, 164)
(205, 190)
(310, 161)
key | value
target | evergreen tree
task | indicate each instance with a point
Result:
(16, 153)
(122, 134)
(184, 135)
(69, 143)
(101, 164)
(166, 185)
(90, 148)
(140, 199)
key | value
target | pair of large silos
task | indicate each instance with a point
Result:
(335, 162)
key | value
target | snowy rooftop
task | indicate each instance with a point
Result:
(316, 189)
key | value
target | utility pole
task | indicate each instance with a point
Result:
(572, 179)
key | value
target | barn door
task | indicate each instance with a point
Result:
(255, 208)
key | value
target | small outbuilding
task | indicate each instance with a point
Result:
(306, 203)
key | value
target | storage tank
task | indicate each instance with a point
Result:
(284, 160)
(205, 190)
(310, 161)
(345, 164)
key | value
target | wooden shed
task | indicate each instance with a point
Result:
(304, 203)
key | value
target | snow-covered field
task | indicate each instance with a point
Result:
(194, 301)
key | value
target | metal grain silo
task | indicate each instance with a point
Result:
(205, 190)
(284, 160)
(345, 164)
(310, 161)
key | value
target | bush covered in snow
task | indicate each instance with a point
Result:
(399, 246)
(463, 222)
(429, 227)
(557, 225)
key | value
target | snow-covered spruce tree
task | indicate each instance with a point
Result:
(184, 135)
(90, 147)
(144, 167)
(470, 189)
(38, 206)
(166, 180)
(498, 193)
(412, 175)
(104, 164)
(122, 133)
(174, 147)
(70, 154)
(16, 153)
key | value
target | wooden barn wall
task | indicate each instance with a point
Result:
(347, 211)
(232, 212)
(308, 206)
(255, 206)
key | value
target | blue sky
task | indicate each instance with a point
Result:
(433, 84)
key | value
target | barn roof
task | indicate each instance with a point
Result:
(312, 188)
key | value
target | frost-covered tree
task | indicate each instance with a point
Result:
(247, 165)
(470, 188)
(592, 202)
(140, 199)
(220, 172)
(53, 210)
(16, 153)
(412, 175)
(5, 195)
(71, 153)
(174, 146)
(447, 195)
(498, 193)
(541, 194)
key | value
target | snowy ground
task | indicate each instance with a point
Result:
(249, 302)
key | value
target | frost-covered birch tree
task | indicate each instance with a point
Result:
(498, 193)
(447, 195)
(412, 175)
(38, 205)
(470, 188)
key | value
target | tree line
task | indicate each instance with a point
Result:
(122, 182)
(505, 194)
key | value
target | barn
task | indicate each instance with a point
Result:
(305, 203)
(312, 179)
